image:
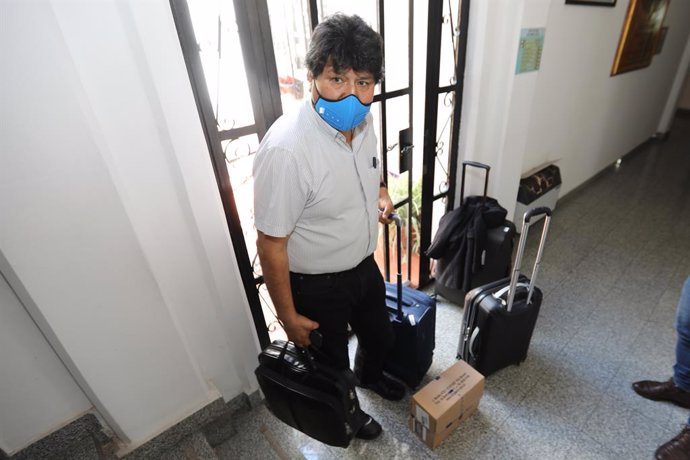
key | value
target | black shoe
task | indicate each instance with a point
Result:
(387, 388)
(677, 448)
(662, 391)
(370, 430)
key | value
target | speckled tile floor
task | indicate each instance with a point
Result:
(617, 255)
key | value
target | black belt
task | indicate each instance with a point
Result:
(309, 276)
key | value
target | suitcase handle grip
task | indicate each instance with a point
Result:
(501, 292)
(473, 339)
(536, 212)
(476, 164)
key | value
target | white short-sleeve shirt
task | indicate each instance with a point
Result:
(322, 193)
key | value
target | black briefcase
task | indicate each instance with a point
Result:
(312, 397)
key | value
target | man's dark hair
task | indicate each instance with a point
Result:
(349, 42)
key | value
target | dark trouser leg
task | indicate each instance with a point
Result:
(324, 299)
(328, 300)
(370, 322)
(681, 370)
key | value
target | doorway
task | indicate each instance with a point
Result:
(245, 60)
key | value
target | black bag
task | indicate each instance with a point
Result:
(413, 316)
(474, 243)
(312, 397)
(499, 318)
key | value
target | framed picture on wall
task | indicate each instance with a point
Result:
(591, 2)
(640, 36)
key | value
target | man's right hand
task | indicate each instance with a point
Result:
(298, 329)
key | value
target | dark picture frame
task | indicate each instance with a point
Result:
(591, 2)
(640, 35)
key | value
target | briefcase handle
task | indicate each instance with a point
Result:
(315, 337)
(304, 354)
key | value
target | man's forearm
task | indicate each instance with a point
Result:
(276, 272)
(276, 268)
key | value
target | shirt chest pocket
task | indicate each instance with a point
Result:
(372, 179)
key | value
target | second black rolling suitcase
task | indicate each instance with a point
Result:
(474, 243)
(499, 317)
(413, 316)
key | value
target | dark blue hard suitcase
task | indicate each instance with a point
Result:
(499, 318)
(413, 316)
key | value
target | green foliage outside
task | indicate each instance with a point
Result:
(397, 189)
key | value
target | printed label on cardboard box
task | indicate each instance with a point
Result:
(422, 416)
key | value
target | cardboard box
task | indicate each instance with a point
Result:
(445, 402)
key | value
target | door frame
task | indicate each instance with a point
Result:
(432, 92)
(257, 48)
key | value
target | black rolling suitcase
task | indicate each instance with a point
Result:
(474, 243)
(413, 316)
(314, 398)
(499, 318)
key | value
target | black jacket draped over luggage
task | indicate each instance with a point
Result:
(461, 239)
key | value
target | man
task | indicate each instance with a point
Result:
(677, 389)
(318, 199)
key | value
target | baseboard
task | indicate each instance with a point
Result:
(82, 430)
(213, 420)
(166, 440)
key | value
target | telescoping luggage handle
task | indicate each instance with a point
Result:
(475, 164)
(398, 226)
(521, 250)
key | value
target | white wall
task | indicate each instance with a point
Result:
(674, 94)
(571, 111)
(34, 383)
(111, 221)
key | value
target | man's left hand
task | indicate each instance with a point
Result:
(385, 205)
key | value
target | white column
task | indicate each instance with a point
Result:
(497, 103)
(672, 101)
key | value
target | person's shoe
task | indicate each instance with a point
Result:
(387, 388)
(370, 430)
(662, 391)
(677, 448)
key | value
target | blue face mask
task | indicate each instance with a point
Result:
(344, 114)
